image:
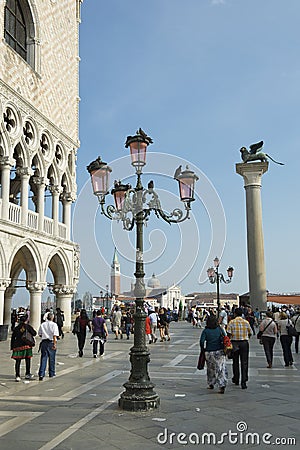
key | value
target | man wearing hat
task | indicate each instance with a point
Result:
(239, 332)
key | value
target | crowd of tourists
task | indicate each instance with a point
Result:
(239, 324)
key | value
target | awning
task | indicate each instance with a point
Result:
(284, 299)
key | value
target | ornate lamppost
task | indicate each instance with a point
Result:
(216, 277)
(133, 207)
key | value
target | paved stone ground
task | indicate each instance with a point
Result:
(79, 409)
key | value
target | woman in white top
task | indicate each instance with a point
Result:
(269, 329)
(285, 339)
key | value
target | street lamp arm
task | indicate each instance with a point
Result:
(221, 277)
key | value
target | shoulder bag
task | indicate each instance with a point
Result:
(290, 328)
(260, 333)
(27, 338)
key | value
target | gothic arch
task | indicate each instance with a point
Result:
(59, 266)
(25, 256)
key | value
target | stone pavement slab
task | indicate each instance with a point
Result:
(79, 408)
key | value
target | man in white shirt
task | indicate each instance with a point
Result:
(153, 325)
(223, 319)
(49, 333)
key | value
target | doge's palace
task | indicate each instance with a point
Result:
(39, 98)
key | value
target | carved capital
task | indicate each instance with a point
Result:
(38, 181)
(252, 172)
(35, 286)
(67, 197)
(6, 161)
(24, 171)
(55, 188)
(59, 289)
(4, 283)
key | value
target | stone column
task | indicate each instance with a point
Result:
(4, 283)
(40, 201)
(252, 174)
(8, 295)
(66, 199)
(6, 165)
(64, 296)
(24, 173)
(55, 191)
(36, 290)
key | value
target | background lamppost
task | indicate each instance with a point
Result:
(107, 296)
(104, 298)
(216, 277)
(133, 207)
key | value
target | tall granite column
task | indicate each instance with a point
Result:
(252, 173)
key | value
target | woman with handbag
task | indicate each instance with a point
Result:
(285, 339)
(268, 330)
(81, 323)
(22, 349)
(212, 340)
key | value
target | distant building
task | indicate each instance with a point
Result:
(209, 299)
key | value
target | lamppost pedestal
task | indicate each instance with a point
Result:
(139, 394)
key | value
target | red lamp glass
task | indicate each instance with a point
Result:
(119, 192)
(99, 172)
(138, 148)
(186, 180)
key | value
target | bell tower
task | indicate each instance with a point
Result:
(115, 275)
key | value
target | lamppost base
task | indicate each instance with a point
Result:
(138, 397)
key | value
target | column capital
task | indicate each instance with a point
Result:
(252, 172)
(4, 283)
(24, 171)
(55, 188)
(63, 290)
(36, 286)
(39, 181)
(67, 197)
(6, 161)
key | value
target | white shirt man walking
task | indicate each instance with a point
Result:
(49, 333)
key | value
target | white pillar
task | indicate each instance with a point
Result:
(40, 202)
(64, 295)
(55, 191)
(24, 173)
(5, 185)
(36, 290)
(4, 283)
(9, 293)
(66, 199)
(252, 174)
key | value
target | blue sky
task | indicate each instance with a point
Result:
(203, 78)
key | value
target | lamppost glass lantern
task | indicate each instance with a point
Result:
(119, 192)
(216, 262)
(138, 147)
(211, 274)
(230, 272)
(99, 172)
(186, 180)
